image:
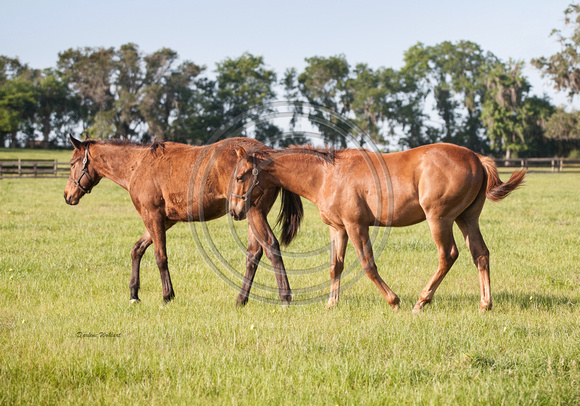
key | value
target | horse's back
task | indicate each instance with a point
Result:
(189, 182)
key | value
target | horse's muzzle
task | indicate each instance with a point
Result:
(237, 216)
(70, 200)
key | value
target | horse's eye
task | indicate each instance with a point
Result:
(239, 179)
(72, 164)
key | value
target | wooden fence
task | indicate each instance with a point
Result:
(541, 164)
(51, 168)
(37, 168)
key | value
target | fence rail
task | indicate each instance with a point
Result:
(51, 168)
(541, 164)
(33, 168)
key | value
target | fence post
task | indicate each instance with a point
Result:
(0, 170)
(19, 167)
(561, 168)
(54, 168)
(34, 168)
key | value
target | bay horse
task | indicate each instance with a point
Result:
(159, 177)
(354, 189)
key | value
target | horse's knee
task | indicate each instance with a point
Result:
(139, 249)
(135, 254)
(372, 274)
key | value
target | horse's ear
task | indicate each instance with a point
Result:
(240, 152)
(76, 143)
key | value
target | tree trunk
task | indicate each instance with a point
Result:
(13, 140)
(46, 128)
(508, 155)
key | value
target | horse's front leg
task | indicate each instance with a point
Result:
(359, 235)
(339, 240)
(261, 231)
(157, 227)
(253, 256)
(136, 255)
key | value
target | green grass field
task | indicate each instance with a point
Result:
(64, 275)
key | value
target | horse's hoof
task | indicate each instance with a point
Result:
(169, 297)
(135, 301)
(241, 302)
(331, 304)
(395, 304)
(484, 307)
(287, 300)
(418, 308)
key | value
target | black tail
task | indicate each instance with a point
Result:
(290, 216)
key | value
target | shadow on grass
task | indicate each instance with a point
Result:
(502, 299)
(535, 300)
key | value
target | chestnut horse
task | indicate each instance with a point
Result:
(353, 190)
(159, 178)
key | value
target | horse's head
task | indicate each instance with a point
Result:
(82, 177)
(246, 189)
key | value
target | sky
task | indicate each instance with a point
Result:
(284, 33)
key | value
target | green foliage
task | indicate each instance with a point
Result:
(563, 128)
(453, 74)
(123, 90)
(502, 109)
(17, 105)
(244, 87)
(324, 83)
(376, 100)
(564, 67)
(448, 92)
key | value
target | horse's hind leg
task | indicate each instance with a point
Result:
(338, 239)
(157, 226)
(359, 235)
(469, 226)
(442, 232)
(136, 255)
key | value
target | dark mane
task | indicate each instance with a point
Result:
(327, 155)
(124, 142)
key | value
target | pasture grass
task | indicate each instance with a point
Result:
(62, 155)
(64, 275)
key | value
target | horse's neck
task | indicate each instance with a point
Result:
(299, 173)
(115, 162)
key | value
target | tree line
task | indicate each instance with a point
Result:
(448, 92)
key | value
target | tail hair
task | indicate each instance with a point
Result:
(290, 216)
(496, 189)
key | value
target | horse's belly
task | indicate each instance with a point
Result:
(191, 210)
(404, 214)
